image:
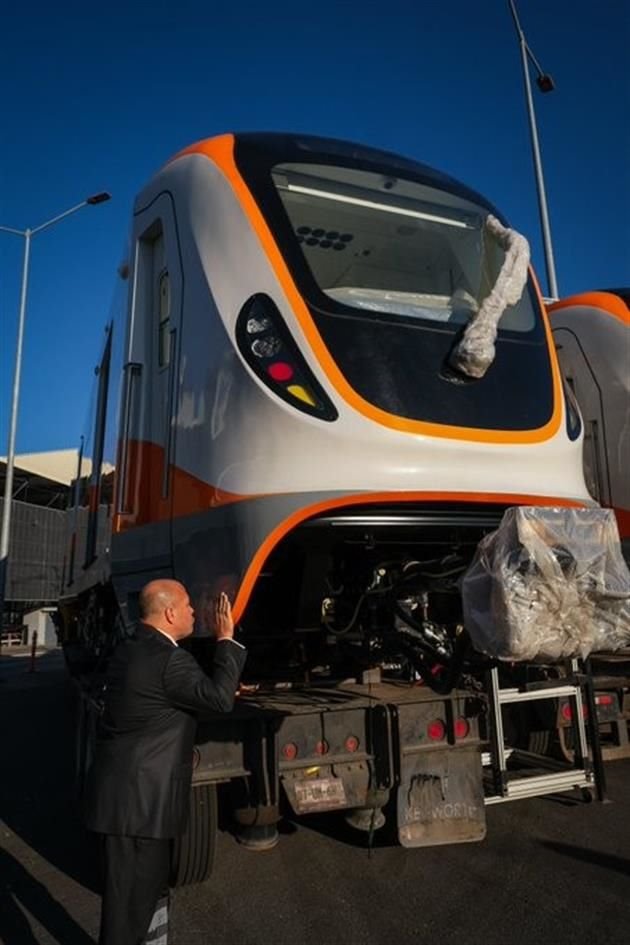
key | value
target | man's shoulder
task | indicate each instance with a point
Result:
(144, 644)
(147, 635)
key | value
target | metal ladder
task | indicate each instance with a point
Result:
(584, 773)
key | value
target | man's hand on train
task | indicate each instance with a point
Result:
(223, 622)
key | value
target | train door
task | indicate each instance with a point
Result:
(582, 380)
(145, 490)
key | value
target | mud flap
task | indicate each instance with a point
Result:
(440, 798)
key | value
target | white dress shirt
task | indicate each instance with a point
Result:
(174, 642)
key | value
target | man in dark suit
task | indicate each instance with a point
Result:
(138, 787)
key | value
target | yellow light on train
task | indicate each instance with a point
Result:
(301, 393)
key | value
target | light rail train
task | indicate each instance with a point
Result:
(288, 411)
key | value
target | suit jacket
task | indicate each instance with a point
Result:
(139, 782)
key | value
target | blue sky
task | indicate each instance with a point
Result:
(96, 96)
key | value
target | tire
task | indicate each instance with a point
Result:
(79, 750)
(539, 742)
(80, 746)
(84, 743)
(193, 854)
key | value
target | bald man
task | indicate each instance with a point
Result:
(138, 788)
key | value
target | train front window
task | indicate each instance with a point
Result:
(392, 259)
(390, 246)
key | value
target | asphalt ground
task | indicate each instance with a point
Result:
(551, 869)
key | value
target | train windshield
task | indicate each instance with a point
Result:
(389, 246)
(393, 259)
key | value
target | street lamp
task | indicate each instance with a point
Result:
(545, 84)
(8, 483)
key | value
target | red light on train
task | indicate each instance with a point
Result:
(280, 371)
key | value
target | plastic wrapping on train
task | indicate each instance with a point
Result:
(549, 584)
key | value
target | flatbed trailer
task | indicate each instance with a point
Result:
(429, 763)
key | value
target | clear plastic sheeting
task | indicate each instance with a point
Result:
(436, 308)
(548, 584)
(411, 304)
(474, 354)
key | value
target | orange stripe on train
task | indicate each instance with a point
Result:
(187, 494)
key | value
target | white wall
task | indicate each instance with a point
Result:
(41, 621)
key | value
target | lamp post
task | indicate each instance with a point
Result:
(545, 84)
(8, 484)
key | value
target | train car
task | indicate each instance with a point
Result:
(310, 420)
(592, 333)
(293, 305)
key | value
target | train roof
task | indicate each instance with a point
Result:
(272, 148)
(622, 293)
(613, 302)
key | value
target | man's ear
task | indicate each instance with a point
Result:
(169, 613)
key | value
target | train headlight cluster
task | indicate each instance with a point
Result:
(271, 352)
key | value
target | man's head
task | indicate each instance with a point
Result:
(165, 604)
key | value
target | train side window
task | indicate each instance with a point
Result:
(164, 314)
(158, 288)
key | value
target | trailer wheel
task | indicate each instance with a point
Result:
(539, 742)
(79, 746)
(84, 738)
(193, 854)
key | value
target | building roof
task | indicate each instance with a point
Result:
(58, 466)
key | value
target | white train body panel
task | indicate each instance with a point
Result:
(276, 447)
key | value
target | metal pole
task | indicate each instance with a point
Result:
(8, 483)
(33, 651)
(540, 182)
(75, 518)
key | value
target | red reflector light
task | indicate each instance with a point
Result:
(289, 751)
(436, 730)
(567, 711)
(352, 743)
(462, 728)
(604, 700)
(280, 371)
(321, 748)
